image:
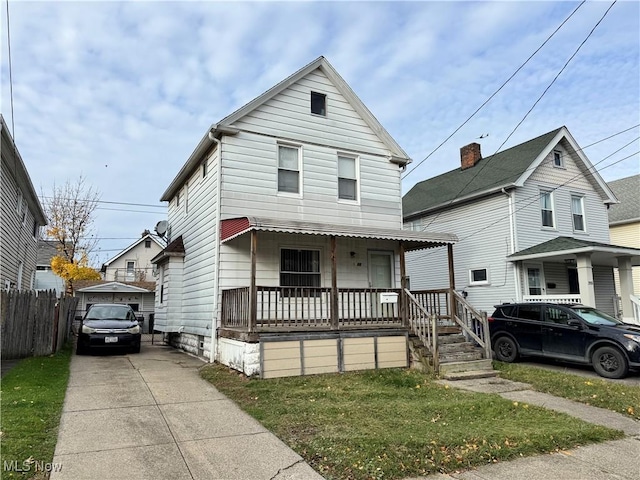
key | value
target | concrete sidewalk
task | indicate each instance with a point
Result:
(151, 416)
(619, 459)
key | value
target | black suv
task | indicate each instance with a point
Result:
(572, 333)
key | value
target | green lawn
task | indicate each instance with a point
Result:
(398, 423)
(602, 393)
(32, 396)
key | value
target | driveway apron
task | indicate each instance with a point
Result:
(151, 416)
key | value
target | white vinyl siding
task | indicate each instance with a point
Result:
(479, 247)
(565, 182)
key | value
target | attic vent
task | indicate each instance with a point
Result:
(319, 104)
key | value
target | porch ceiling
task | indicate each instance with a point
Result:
(235, 227)
(566, 248)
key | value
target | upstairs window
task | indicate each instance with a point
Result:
(577, 211)
(178, 199)
(288, 169)
(147, 243)
(558, 161)
(347, 178)
(319, 104)
(546, 207)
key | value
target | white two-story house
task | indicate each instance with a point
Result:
(286, 248)
(532, 225)
(133, 264)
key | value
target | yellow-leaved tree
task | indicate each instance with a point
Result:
(70, 213)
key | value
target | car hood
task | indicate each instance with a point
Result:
(628, 326)
(112, 324)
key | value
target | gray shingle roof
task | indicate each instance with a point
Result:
(565, 244)
(628, 192)
(500, 170)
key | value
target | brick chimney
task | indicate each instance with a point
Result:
(470, 155)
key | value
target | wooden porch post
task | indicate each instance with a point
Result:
(452, 282)
(253, 292)
(403, 285)
(334, 284)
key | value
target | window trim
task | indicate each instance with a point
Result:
(475, 283)
(298, 147)
(560, 157)
(549, 192)
(319, 94)
(356, 159)
(582, 213)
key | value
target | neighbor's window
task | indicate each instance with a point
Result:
(319, 103)
(546, 207)
(577, 211)
(204, 169)
(347, 178)
(178, 199)
(479, 276)
(147, 243)
(558, 161)
(299, 268)
(288, 169)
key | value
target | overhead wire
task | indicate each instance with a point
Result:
(494, 93)
(482, 166)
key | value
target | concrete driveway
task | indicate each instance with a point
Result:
(151, 416)
(633, 379)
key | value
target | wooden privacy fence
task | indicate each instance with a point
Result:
(35, 323)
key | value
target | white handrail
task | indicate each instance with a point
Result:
(635, 305)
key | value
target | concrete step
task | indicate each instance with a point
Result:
(451, 357)
(470, 375)
(466, 366)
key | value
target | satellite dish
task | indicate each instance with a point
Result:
(161, 228)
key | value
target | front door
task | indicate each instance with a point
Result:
(535, 279)
(380, 276)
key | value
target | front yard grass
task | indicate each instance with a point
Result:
(602, 393)
(32, 397)
(398, 423)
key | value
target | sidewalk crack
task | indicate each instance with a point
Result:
(284, 469)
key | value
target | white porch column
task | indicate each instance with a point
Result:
(585, 279)
(626, 288)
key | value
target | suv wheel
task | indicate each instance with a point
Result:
(506, 349)
(609, 362)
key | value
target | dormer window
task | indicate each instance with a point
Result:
(319, 104)
(557, 159)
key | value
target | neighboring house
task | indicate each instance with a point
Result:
(22, 217)
(45, 278)
(139, 295)
(624, 228)
(133, 264)
(286, 248)
(532, 223)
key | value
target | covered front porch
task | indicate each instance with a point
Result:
(332, 289)
(571, 270)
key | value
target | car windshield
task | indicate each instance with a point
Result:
(108, 312)
(596, 317)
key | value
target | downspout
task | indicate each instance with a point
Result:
(514, 247)
(216, 276)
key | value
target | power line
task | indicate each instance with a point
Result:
(494, 93)
(534, 104)
(108, 202)
(126, 210)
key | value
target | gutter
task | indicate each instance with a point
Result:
(216, 264)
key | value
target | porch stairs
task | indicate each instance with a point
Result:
(459, 351)
(458, 359)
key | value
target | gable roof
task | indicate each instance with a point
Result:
(225, 126)
(116, 287)
(131, 247)
(628, 192)
(47, 249)
(507, 169)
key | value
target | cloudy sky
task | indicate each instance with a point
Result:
(121, 92)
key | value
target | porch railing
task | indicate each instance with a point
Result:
(635, 305)
(423, 324)
(569, 298)
(473, 322)
(308, 307)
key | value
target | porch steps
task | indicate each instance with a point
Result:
(467, 370)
